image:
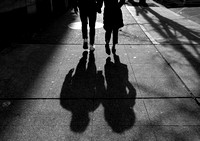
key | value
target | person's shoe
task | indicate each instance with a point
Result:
(92, 47)
(85, 44)
(107, 49)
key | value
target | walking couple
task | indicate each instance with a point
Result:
(112, 20)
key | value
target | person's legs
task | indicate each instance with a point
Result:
(115, 36)
(83, 17)
(92, 21)
(115, 39)
(108, 35)
(107, 40)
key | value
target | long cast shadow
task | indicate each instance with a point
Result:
(170, 28)
(120, 96)
(78, 90)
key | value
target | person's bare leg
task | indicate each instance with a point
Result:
(115, 40)
(107, 40)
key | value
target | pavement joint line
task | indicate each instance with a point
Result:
(180, 10)
(142, 98)
(176, 14)
(65, 44)
(143, 29)
(171, 125)
(194, 15)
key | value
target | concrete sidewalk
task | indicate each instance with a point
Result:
(150, 93)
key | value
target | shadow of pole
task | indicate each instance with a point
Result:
(170, 28)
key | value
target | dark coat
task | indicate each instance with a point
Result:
(113, 17)
(88, 5)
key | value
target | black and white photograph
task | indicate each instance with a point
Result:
(99, 70)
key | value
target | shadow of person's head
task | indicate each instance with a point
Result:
(80, 118)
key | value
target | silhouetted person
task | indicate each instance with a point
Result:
(77, 93)
(119, 102)
(88, 12)
(112, 20)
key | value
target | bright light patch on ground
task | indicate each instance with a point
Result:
(77, 25)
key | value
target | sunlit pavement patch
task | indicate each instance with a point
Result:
(77, 25)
